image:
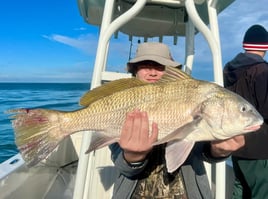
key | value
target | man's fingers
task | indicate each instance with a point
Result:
(144, 128)
(154, 134)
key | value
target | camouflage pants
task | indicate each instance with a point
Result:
(157, 183)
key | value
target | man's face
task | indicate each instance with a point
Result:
(150, 71)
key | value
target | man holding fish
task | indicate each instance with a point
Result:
(143, 173)
(153, 147)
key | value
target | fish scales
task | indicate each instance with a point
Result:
(163, 102)
(186, 111)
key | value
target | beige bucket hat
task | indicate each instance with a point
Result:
(153, 51)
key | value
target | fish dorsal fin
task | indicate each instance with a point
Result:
(173, 73)
(108, 89)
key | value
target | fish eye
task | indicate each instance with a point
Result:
(243, 108)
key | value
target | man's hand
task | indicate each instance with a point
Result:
(224, 148)
(136, 140)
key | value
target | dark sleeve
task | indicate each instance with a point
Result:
(121, 164)
(261, 90)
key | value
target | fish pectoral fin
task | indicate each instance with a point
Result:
(180, 133)
(99, 140)
(176, 153)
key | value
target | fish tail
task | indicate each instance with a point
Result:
(37, 133)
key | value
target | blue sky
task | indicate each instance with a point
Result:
(48, 41)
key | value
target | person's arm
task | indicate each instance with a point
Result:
(129, 155)
(122, 165)
(260, 89)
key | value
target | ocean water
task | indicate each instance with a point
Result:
(59, 96)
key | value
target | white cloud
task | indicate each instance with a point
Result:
(81, 28)
(86, 42)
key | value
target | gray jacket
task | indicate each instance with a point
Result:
(193, 172)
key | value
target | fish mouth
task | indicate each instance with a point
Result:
(253, 128)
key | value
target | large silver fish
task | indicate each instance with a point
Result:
(186, 111)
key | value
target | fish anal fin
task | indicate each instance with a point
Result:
(176, 153)
(108, 89)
